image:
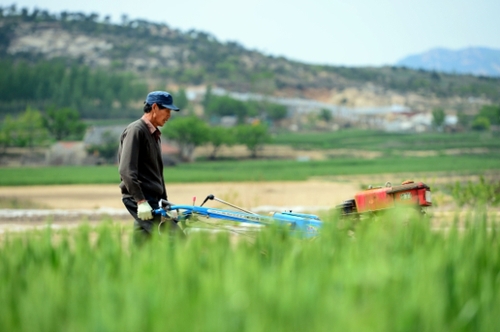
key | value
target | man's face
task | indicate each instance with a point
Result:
(160, 115)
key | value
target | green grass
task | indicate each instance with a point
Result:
(389, 276)
(257, 170)
(108, 122)
(389, 142)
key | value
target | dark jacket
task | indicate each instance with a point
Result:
(140, 163)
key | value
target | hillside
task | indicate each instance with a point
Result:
(164, 56)
(480, 61)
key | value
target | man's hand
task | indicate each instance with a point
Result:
(144, 211)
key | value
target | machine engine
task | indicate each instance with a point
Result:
(376, 199)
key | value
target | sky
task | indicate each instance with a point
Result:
(331, 32)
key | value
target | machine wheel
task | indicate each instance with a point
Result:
(348, 207)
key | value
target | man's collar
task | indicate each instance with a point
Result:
(151, 127)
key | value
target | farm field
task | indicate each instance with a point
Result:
(392, 273)
(389, 274)
(69, 205)
(28, 207)
(262, 170)
(249, 194)
(291, 178)
(392, 142)
(395, 272)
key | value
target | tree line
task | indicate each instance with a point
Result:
(190, 132)
(253, 120)
(34, 128)
(488, 115)
(94, 93)
(219, 106)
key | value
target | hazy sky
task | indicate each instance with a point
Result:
(349, 32)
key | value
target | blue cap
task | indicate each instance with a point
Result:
(161, 98)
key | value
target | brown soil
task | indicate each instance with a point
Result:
(67, 206)
(249, 194)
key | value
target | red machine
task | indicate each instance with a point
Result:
(375, 199)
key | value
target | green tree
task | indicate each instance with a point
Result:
(491, 112)
(225, 105)
(180, 99)
(266, 109)
(253, 137)
(64, 124)
(438, 117)
(189, 132)
(6, 129)
(325, 115)
(276, 112)
(481, 123)
(27, 130)
(219, 136)
(95, 93)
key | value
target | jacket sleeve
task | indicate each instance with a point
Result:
(129, 162)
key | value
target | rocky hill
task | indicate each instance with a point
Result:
(161, 55)
(480, 61)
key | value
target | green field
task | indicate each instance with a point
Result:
(464, 153)
(390, 274)
(258, 170)
(390, 143)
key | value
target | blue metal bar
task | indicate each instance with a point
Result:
(304, 223)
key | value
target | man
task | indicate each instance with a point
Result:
(141, 167)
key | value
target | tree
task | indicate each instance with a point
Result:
(225, 105)
(325, 115)
(95, 93)
(6, 132)
(219, 136)
(180, 99)
(189, 132)
(27, 130)
(438, 117)
(266, 109)
(276, 112)
(64, 124)
(491, 112)
(481, 123)
(253, 137)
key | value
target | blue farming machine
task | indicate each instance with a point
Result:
(304, 224)
(374, 200)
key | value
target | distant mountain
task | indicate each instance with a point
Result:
(479, 61)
